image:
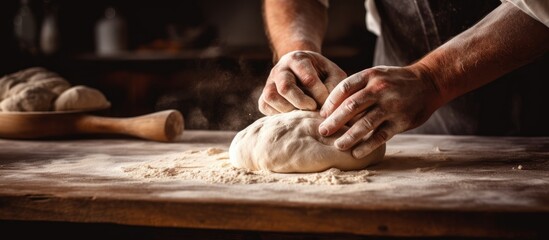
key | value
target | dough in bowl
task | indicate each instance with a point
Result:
(29, 99)
(290, 143)
(30, 90)
(81, 98)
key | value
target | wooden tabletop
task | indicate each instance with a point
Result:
(425, 186)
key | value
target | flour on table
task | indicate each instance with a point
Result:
(212, 165)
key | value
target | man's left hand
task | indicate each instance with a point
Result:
(378, 103)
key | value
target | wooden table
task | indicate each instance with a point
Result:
(426, 186)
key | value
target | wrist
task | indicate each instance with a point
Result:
(425, 73)
(302, 45)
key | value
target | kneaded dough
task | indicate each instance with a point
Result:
(81, 98)
(39, 76)
(32, 89)
(38, 89)
(290, 142)
(6, 83)
(29, 99)
(29, 72)
(56, 84)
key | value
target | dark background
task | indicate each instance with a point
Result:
(213, 76)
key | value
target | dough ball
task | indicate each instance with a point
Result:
(290, 142)
(36, 76)
(7, 83)
(18, 88)
(81, 98)
(40, 76)
(28, 100)
(56, 85)
(31, 89)
(27, 73)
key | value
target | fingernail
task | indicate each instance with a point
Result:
(341, 144)
(323, 130)
(322, 113)
(358, 153)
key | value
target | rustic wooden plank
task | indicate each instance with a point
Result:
(426, 186)
(276, 217)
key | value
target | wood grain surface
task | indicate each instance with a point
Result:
(426, 186)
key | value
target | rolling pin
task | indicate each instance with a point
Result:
(164, 126)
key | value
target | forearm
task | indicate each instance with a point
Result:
(504, 40)
(295, 25)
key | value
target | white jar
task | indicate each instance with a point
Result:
(111, 34)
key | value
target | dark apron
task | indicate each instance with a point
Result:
(516, 104)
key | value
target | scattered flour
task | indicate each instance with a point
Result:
(212, 165)
(517, 168)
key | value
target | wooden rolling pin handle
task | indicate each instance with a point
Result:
(164, 126)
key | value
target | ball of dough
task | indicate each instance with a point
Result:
(56, 85)
(39, 76)
(28, 100)
(31, 89)
(12, 84)
(81, 98)
(7, 83)
(26, 73)
(17, 88)
(290, 142)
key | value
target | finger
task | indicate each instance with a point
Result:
(351, 107)
(371, 120)
(334, 79)
(335, 75)
(286, 86)
(308, 78)
(265, 108)
(270, 95)
(356, 118)
(380, 135)
(342, 91)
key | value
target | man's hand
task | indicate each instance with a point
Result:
(300, 80)
(381, 101)
(389, 100)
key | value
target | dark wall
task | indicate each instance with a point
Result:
(214, 91)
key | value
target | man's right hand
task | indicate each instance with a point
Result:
(300, 80)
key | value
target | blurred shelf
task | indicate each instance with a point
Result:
(248, 53)
(146, 55)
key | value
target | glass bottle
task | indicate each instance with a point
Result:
(111, 33)
(49, 35)
(25, 28)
